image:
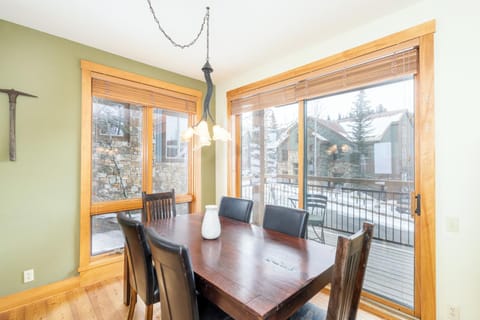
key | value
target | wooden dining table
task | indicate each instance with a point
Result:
(251, 272)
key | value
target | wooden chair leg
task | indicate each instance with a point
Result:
(133, 302)
(149, 312)
(126, 282)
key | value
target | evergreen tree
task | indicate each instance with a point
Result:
(361, 129)
(272, 135)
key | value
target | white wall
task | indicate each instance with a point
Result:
(457, 116)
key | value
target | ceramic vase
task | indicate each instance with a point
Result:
(211, 223)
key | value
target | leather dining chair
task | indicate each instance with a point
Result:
(176, 281)
(236, 208)
(287, 220)
(158, 205)
(155, 206)
(141, 276)
(347, 279)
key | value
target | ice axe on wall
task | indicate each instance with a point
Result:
(12, 99)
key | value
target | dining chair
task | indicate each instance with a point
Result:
(158, 205)
(347, 279)
(176, 280)
(317, 207)
(287, 220)
(155, 206)
(236, 208)
(141, 276)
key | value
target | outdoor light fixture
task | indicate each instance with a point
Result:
(200, 129)
(335, 150)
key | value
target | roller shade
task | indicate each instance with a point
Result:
(323, 82)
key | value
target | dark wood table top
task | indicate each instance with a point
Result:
(251, 272)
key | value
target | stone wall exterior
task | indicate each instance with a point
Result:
(117, 163)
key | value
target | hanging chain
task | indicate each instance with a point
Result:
(207, 16)
(183, 46)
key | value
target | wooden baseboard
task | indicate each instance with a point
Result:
(87, 277)
(103, 271)
(28, 296)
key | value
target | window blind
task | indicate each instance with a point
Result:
(390, 66)
(136, 93)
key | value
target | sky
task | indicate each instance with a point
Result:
(394, 96)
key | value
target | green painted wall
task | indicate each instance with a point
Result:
(39, 193)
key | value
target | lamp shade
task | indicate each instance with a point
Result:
(220, 134)
(187, 134)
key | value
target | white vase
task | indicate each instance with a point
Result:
(211, 223)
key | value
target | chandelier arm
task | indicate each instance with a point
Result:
(182, 46)
(207, 69)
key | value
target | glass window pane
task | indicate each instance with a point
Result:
(106, 232)
(269, 145)
(183, 208)
(116, 150)
(107, 235)
(360, 158)
(170, 154)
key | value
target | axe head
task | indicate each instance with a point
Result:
(13, 94)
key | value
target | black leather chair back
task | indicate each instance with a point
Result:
(176, 279)
(236, 208)
(142, 275)
(287, 220)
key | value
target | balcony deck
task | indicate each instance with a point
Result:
(390, 269)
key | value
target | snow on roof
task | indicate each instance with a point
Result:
(283, 136)
(380, 122)
(319, 137)
(335, 126)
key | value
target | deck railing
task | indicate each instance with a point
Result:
(348, 207)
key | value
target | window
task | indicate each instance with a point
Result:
(131, 143)
(271, 115)
(117, 144)
(169, 126)
(170, 156)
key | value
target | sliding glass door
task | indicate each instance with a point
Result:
(269, 172)
(356, 144)
(359, 155)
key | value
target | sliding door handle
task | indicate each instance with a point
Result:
(418, 200)
(416, 204)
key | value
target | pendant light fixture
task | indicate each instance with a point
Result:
(200, 131)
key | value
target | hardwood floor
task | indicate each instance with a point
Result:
(103, 301)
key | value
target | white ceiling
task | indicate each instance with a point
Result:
(243, 34)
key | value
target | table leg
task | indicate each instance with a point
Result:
(126, 282)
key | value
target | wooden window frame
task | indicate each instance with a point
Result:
(94, 268)
(420, 35)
